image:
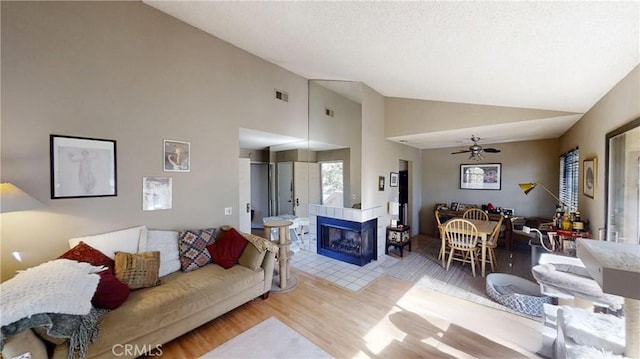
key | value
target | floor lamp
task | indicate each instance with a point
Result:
(528, 187)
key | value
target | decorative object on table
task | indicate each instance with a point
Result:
(13, 199)
(528, 187)
(394, 210)
(454, 206)
(393, 179)
(177, 156)
(481, 176)
(156, 193)
(380, 183)
(589, 167)
(477, 152)
(82, 167)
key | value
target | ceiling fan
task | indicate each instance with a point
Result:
(476, 150)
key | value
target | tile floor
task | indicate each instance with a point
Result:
(346, 275)
(349, 276)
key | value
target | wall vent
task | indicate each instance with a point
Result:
(328, 112)
(282, 96)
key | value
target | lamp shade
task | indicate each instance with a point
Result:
(13, 199)
(394, 208)
(527, 187)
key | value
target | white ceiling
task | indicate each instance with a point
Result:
(551, 55)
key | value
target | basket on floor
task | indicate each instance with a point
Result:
(516, 293)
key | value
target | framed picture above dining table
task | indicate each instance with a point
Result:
(481, 176)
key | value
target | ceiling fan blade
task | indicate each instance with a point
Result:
(491, 150)
(462, 151)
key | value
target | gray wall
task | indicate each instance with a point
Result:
(527, 161)
(619, 106)
(127, 72)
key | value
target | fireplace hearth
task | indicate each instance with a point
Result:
(348, 241)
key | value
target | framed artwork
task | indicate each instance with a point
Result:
(589, 167)
(156, 193)
(82, 167)
(380, 183)
(176, 156)
(393, 179)
(481, 176)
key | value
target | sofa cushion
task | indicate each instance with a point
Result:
(252, 257)
(227, 249)
(192, 245)
(166, 242)
(111, 292)
(125, 240)
(83, 252)
(138, 270)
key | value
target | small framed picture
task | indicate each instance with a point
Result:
(393, 179)
(380, 183)
(589, 168)
(156, 193)
(177, 156)
(82, 167)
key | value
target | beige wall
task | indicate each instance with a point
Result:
(127, 72)
(527, 161)
(381, 156)
(408, 116)
(619, 106)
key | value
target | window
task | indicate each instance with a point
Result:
(569, 173)
(331, 174)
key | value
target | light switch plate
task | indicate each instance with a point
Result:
(228, 211)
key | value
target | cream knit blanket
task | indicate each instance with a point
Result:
(60, 286)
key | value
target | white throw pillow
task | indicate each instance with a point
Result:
(167, 243)
(126, 240)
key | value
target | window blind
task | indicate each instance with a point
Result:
(569, 168)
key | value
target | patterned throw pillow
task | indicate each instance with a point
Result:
(138, 270)
(193, 248)
(83, 252)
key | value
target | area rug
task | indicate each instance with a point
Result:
(423, 268)
(269, 339)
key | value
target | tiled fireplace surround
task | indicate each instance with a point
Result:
(348, 214)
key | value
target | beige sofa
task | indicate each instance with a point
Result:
(153, 316)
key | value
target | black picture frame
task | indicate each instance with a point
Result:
(481, 176)
(380, 183)
(393, 179)
(82, 167)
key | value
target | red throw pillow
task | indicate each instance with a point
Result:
(226, 250)
(83, 252)
(111, 292)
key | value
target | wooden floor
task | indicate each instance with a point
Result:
(390, 318)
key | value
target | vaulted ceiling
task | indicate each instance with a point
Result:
(553, 55)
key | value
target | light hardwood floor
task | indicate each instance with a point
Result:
(390, 318)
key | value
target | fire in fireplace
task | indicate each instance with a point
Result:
(348, 241)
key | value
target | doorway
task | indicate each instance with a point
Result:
(403, 192)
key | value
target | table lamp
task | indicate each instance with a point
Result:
(528, 187)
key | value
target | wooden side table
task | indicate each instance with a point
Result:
(285, 282)
(398, 238)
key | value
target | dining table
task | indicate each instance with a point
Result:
(485, 228)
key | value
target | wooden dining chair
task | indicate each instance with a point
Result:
(444, 245)
(475, 213)
(492, 243)
(462, 236)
